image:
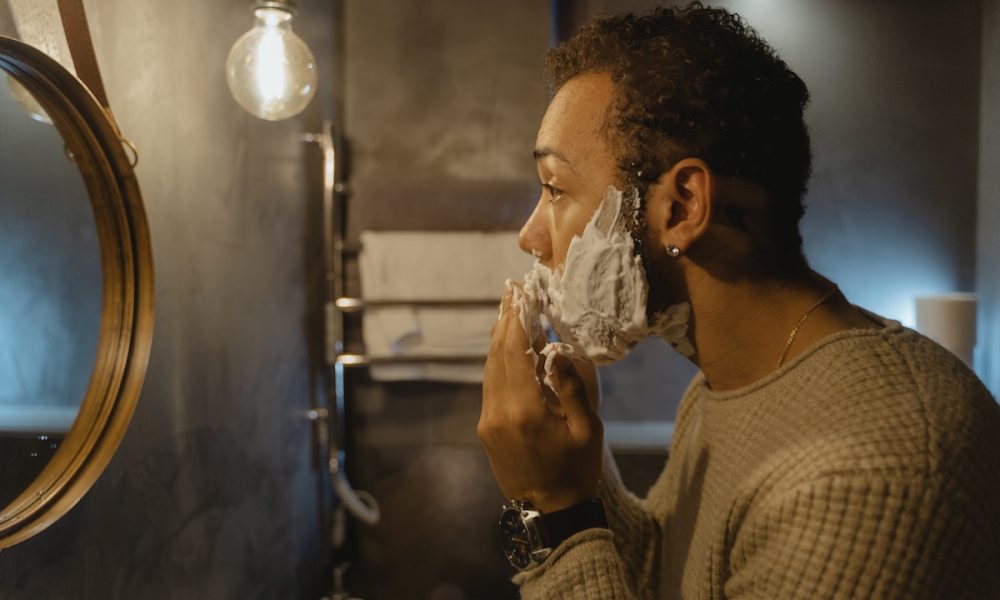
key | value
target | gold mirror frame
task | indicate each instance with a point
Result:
(127, 315)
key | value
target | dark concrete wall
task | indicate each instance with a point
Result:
(214, 492)
(442, 102)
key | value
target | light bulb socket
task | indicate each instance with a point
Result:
(285, 5)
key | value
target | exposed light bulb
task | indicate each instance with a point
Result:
(270, 71)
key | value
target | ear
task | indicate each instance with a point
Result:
(679, 207)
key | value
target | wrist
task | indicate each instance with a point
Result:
(530, 535)
(552, 502)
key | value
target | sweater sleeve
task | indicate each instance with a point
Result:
(637, 532)
(584, 567)
(599, 564)
(865, 536)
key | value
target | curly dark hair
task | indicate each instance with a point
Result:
(699, 82)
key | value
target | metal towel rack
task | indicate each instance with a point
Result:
(361, 505)
(350, 305)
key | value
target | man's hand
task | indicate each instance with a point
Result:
(543, 446)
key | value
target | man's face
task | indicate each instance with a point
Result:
(575, 166)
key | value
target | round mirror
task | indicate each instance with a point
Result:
(76, 297)
(50, 301)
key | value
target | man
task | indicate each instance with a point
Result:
(822, 451)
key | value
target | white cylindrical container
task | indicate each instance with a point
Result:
(950, 320)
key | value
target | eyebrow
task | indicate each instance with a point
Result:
(544, 151)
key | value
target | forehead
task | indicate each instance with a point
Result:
(573, 123)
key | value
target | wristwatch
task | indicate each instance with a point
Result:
(529, 536)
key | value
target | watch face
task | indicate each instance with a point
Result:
(515, 538)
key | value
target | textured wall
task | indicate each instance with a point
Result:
(214, 493)
(442, 103)
(988, 258)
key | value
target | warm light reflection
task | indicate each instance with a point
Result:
(270, 66)
(270, 71)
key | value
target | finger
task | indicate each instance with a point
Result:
(550, 398)
(486, 404)
(500, 310)
(591, 381)
(540, 341)
(574, 397)
(522, 380)
(494, 377)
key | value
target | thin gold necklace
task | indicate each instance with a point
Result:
(802, 319)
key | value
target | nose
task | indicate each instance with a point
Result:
(534, 236)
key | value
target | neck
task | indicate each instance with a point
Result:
(742, 327)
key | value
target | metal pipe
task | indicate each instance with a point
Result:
(358, 304)
(360, 504)
(361, 360)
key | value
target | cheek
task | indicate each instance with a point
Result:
(561, 238)
(560, 246)
(567, 224)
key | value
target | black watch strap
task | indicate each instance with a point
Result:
(561, 524)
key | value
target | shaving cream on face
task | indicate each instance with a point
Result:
(596, 301)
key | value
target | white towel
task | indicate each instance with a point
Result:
(457, 266)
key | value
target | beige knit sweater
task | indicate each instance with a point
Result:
(867, 467)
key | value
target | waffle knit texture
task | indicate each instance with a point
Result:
(866, 467)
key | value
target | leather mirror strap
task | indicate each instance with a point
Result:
(81, 48)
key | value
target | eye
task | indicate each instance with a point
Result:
(555, 194)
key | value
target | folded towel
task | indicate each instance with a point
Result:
(431, 266)
(404, 331)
